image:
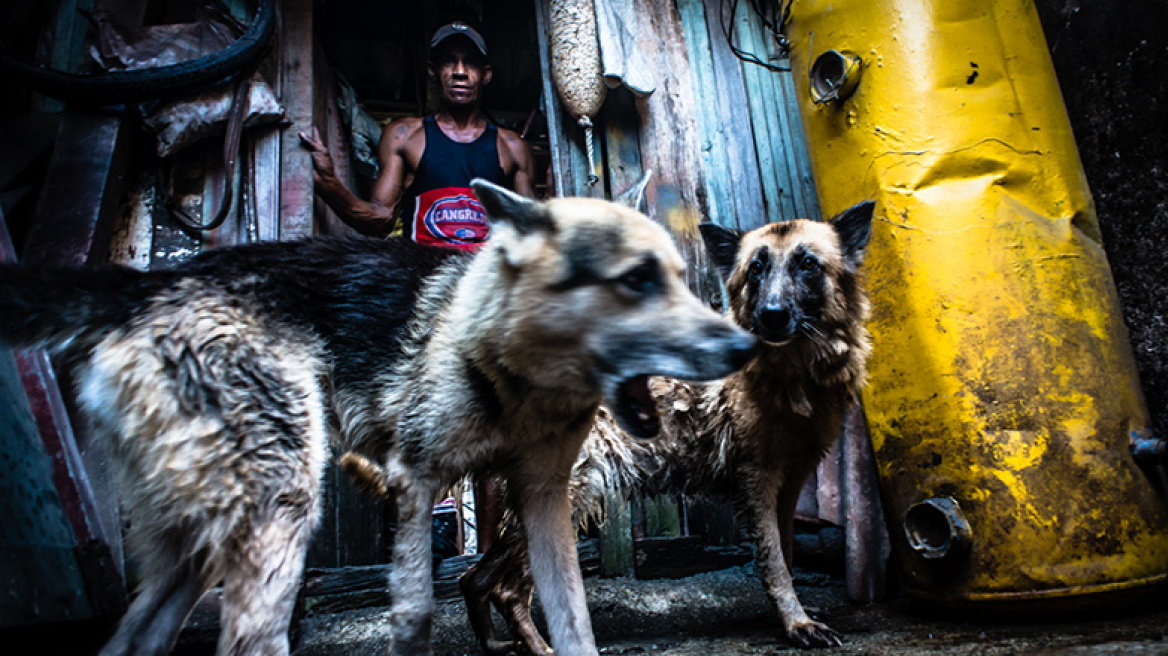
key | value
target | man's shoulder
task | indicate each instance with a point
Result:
(511, 139)
(406, 123)
(406, 133)
(508, 134)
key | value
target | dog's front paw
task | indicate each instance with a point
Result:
(809, 633)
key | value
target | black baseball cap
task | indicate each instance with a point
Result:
(458, 28)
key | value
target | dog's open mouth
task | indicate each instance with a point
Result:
(635, 409)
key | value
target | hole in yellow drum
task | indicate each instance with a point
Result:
(937, 529)
(834, 75)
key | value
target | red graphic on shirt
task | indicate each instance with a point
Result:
(450, 217)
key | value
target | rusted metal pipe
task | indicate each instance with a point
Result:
(936, 529)
(835, 75)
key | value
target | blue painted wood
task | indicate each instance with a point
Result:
(762, 124)
(719, 188)
(787, 176)
(807, 193)
(767, 130)
(799, 179)
(621, 142)
(729, 109)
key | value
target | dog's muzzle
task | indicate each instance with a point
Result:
(716, 352)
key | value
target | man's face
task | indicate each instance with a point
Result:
(461, 71)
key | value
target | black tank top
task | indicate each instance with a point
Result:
(440, 208)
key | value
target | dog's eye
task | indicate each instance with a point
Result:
(756, 267)
(642, 279)
(809, 263)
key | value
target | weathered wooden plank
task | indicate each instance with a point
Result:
(712, 519)
(133, 232)
(807, 194)
(361, 524)
(232, 231)
(325, 548)
(265, 146)
(731, 107)
(786, 174)
(718, 182)
(79, 199)
(332, 130)
(352, 528)
(63, 46)
(618, 120)
(616, 537)
(237, 228)
(670, 137)
(785, 139)
(662, 517)
(768, 144)
(297, 89)
(564, 173)
(265, 183)
(785, 112)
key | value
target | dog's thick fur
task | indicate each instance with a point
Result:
(754, 437)
(210, 387)
(215, 386)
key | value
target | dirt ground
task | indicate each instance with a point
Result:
(722, 613)
(726, 612)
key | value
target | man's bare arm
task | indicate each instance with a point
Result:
(523, 179)
(373, 217)
(398, 152)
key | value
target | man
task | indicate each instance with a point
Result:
(427, 163)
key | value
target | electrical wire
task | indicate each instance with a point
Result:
(774, 22)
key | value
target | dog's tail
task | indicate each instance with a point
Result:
(53, 306)
(365, 474)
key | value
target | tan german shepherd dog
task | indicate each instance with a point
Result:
(754, 437)
(215, 386)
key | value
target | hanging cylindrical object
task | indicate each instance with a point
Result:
(1002, 397)
(575, 64)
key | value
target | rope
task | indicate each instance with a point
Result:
(586, 123)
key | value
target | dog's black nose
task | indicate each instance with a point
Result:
(775, 319)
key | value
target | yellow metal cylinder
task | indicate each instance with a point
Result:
(1002, 393)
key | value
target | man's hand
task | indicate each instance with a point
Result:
(370, 218)
(322, 162)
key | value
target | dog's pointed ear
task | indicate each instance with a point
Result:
(854, 228)
(503, 205)
(722, 245)
(518, 223)
(634, 196)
